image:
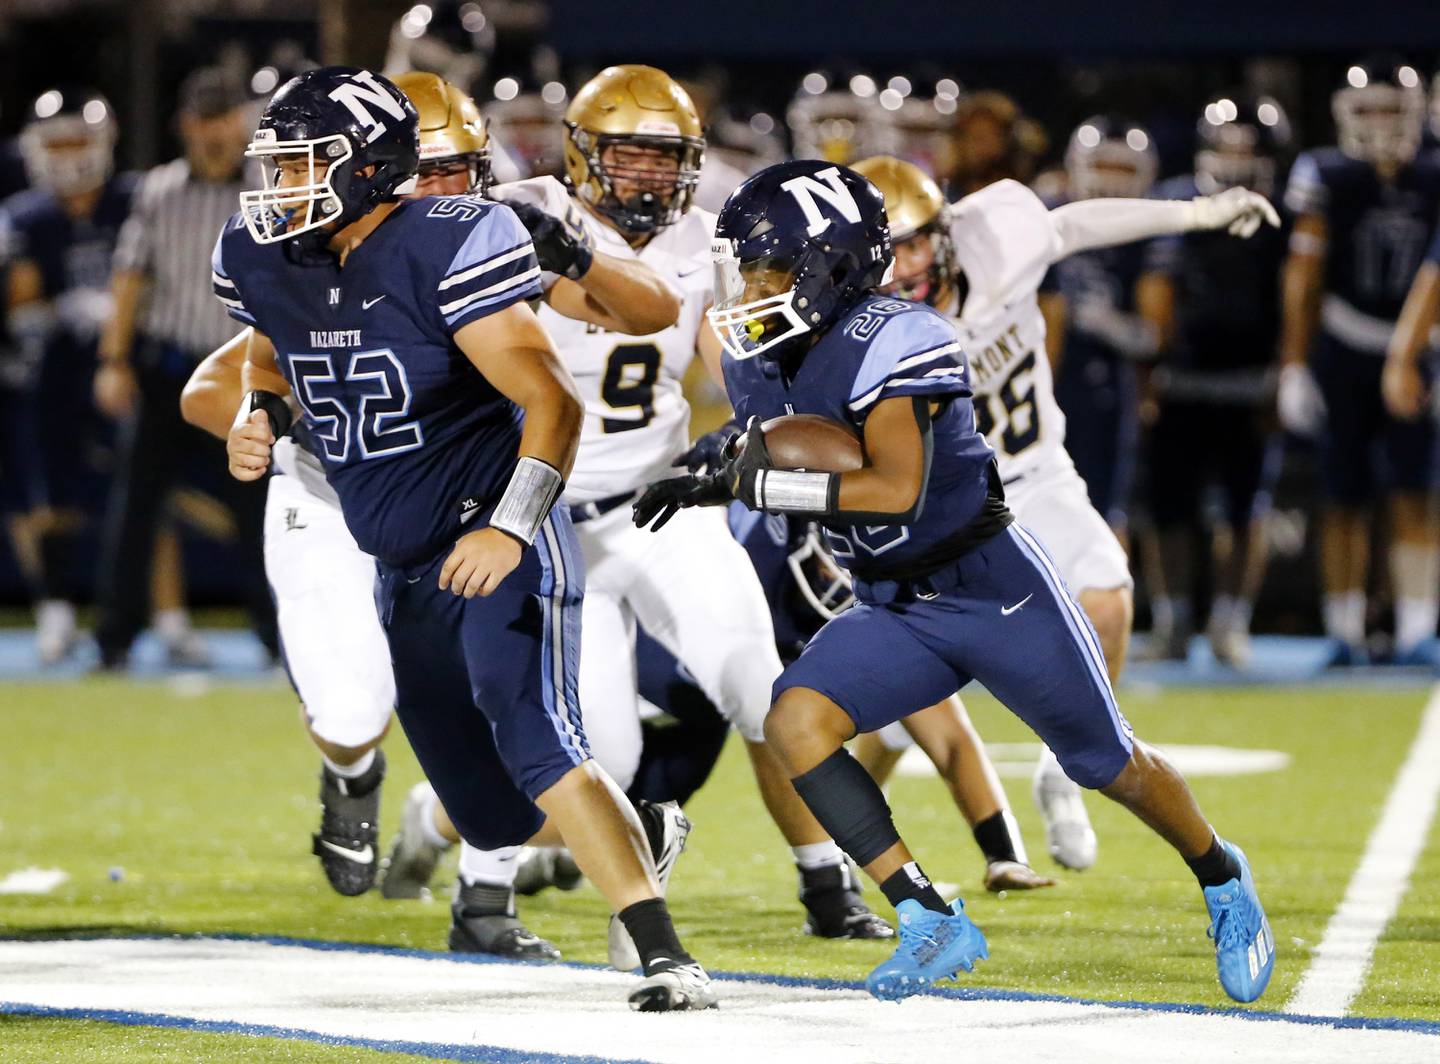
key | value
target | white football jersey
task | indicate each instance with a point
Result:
(1005, 240)
(636, 418)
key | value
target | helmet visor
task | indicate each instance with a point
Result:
(754, 301)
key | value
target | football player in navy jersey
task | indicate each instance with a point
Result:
(1214, 307)
(1365, 211)
(446, 426)
(56, 240)
(1093, 331)
(949, 587)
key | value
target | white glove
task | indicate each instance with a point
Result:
(1237, 209)
(1300, 402)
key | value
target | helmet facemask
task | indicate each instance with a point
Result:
(663, 192)
(68, 155)
(270, 213)
(822, 581)
(935, 284)
(476, 166)
(1380, 123)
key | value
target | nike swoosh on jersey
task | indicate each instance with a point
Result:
(366, 304)
(364, 856)
(1006, 611)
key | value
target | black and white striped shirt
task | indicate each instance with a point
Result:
(168, 237)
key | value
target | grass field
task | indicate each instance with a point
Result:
(203, 802)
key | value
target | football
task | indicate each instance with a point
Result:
(809, 441)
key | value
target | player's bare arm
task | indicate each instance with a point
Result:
(1155, 303)
(255, 428)
(512, 351)
(1302, 285)
(619, 296)
(213, 392)
(115, 376)
(1402, 383)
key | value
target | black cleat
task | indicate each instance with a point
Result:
(483, 920)
(834, 908)
(349, 826)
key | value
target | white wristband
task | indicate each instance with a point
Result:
(789, 491)
(532, 491)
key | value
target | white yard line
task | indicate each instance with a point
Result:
(1338, 969)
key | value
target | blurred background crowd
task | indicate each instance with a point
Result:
(1267, 459)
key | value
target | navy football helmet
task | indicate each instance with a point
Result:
(1380, 111)
(1110, 156)
(358, 137)
(68, 142)
(796, 245)
(1243, 141)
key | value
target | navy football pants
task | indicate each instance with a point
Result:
(486, 687)
(1000, 615)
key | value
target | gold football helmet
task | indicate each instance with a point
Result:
(633, 148)
(917, 211)
(452, 131)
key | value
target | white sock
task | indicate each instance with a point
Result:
(355, 771)
(1015, 840)
(1345, 617)
(56, 613)
(1415, 621)
(1415, 572)
(494, 868)
(1240, 615)
(1171, 614)
(428, 831)
(815, 855)
(1222, 612)
(171, 625)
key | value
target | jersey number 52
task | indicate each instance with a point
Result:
(374, 422)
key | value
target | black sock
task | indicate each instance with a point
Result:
(652, 819)
(911, 884)
(993, 837)
(1215, 866)
(655, 940)
(849, 805)
(485, 899)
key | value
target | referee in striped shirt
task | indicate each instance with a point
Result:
(165, 321)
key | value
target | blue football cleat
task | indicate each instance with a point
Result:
(932, 946)
(1244, 943)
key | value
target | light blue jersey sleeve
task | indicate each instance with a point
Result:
(494, 267)
(1306, 192)
(914, 352)
(223, 284)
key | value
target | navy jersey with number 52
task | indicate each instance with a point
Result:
(409, 432)
(882, 349)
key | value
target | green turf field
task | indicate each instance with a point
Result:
(206, 802)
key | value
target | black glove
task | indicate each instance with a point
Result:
(561, 248)
(665, 498)
(739, 471)
(710, 451)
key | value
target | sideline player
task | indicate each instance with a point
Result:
(633, 152)
(950, 587)
(56, 242)
(365, 305)
(1365, 211)
(1214, 305)
(980, 262)
(335, 647)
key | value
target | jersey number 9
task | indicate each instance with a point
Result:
(629, 381)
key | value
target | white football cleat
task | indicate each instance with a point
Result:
(675, 829)
(1068, 834)
(406, 873)
(681, 988)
